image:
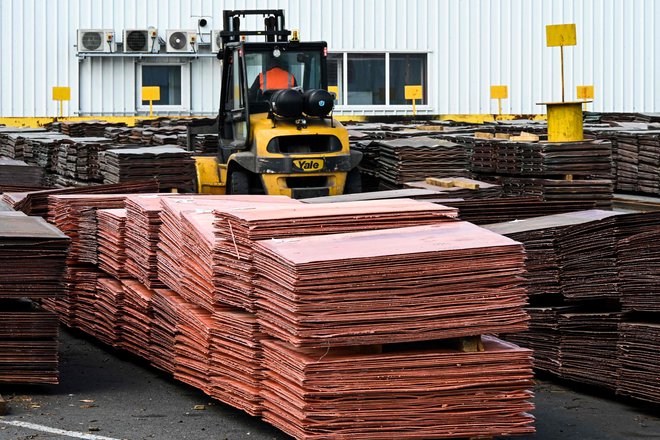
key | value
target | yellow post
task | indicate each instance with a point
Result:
(151, 94)
(565, 121)
(585, 93)
(61, 94)
(563, 97)
(499, 93)
(413, 93)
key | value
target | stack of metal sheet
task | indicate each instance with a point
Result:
(639, 360)
(627, 161)
(193, 347)
(78, 158)
(594, 192)
(206, 143)
(79, 284)
(19, 173)
(118, 135)
(368, 295)
(171, 166)
(361, 394)
(38, 249)
(28, 343)
(36, 202)
(12, 140)
(111, 241)
(589, 347)
(136, 318)
(109, 306)
(238, 228)
(166, 306)
(88, 128)
(236, 367)
(408, 160)
(198, 242)
(639, 272)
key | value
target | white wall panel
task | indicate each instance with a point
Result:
(471, 43)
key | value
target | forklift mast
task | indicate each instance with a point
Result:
(274, 29)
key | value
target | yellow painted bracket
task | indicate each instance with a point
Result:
(151, 94)
(413, 93)
(209, 175)
(585, 93)
(499, 92)
(61, 94)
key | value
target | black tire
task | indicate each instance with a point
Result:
(239, 182)
(353, 182)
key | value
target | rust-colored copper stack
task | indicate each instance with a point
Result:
(450, 279)
(166, 306)
(28, 343)
(238, 228)
(109, 310)
(75, 215)
(639, 272)
(136, 318)
(38, 249)
(236, 368)
(79, 281)
(403, 392)
(197, 258)
(193, 347)
(142, 226)
(111, 245)
(639, 358)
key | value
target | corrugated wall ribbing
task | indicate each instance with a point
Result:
(471, 43)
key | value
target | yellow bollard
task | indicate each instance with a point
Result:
(565, 121)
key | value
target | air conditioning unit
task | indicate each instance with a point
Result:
(140, 40)
(216, 41)
(96, 40)
(180, 40)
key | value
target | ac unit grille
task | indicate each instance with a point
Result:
(137, 41)
(92, 40)
(178, 40)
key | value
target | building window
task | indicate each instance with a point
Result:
(366, 79)
(336, 74)
(406, 70)
(168, 78)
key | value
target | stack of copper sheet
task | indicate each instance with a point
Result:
(596, 192)
(87, 128)
(589, 347)
(136, 318)
(12, 140)
(403, 392)
(17, 172)
(75, 215)
(543, 336)
(445, 280)
(28, 343)
(639, 272)
(109, 308)
(142, 226)
(166, 306)
(588, 257)
(171, 166)
(38, 249)
(79, 282)
(193, 347)
(236, 369)
(111, 244)
(639, 358)
(36, 202)
(197, 263)
(238, 228)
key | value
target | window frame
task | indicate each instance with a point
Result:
(380, 107)
(184, 107)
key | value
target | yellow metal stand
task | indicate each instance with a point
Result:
(564, 121)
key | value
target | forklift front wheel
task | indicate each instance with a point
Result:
(353, 182)
(239, 182)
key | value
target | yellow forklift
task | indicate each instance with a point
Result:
(277, 135)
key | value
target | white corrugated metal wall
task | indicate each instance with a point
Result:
(471, 44)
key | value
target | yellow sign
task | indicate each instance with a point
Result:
(585, 92)
(560, 35)
(499, 92)
(307, 165)
(61, 93)
(335, 90)
(413, 92)
(151, 93)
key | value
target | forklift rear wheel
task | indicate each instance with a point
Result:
(239, 182)
(353, 182)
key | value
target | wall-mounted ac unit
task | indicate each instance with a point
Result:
(96, 40)
(181, 40)
(140, 40)
(216, 41)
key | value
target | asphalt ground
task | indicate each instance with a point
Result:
(109, 394)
